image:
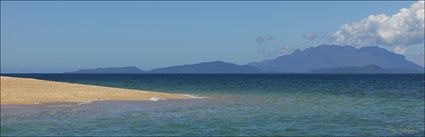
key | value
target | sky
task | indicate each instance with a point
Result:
(67, 36)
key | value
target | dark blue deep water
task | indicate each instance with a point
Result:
(236, 104)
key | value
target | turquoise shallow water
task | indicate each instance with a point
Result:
(261, 104)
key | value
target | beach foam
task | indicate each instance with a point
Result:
(155, 99)
(194, 97)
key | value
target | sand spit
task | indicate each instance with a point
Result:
(25, 91)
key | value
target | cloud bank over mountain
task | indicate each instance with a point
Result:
(401, 29)
(402, 32)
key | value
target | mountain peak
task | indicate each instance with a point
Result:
(216, 62)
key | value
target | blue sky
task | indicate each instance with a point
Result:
(66, 36)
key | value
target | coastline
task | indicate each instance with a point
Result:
(28, 91)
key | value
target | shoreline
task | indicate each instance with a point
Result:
(28, 91)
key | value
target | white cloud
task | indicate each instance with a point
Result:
(310, 35)
(399, 50)
(401, 29)
(262, 39)
(283, 50)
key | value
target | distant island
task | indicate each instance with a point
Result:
(209, 67)
(335, 56)
(320, 59)
(122, 70)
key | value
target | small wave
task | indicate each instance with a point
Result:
(195, 97)
(156, 99)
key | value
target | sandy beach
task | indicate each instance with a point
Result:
(22, 91)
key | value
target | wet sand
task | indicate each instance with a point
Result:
(25, 91)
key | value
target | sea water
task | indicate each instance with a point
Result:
(235, 104)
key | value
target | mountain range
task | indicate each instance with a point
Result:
(334, 56)
(320, 59)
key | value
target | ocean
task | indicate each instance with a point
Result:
(234, 105)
